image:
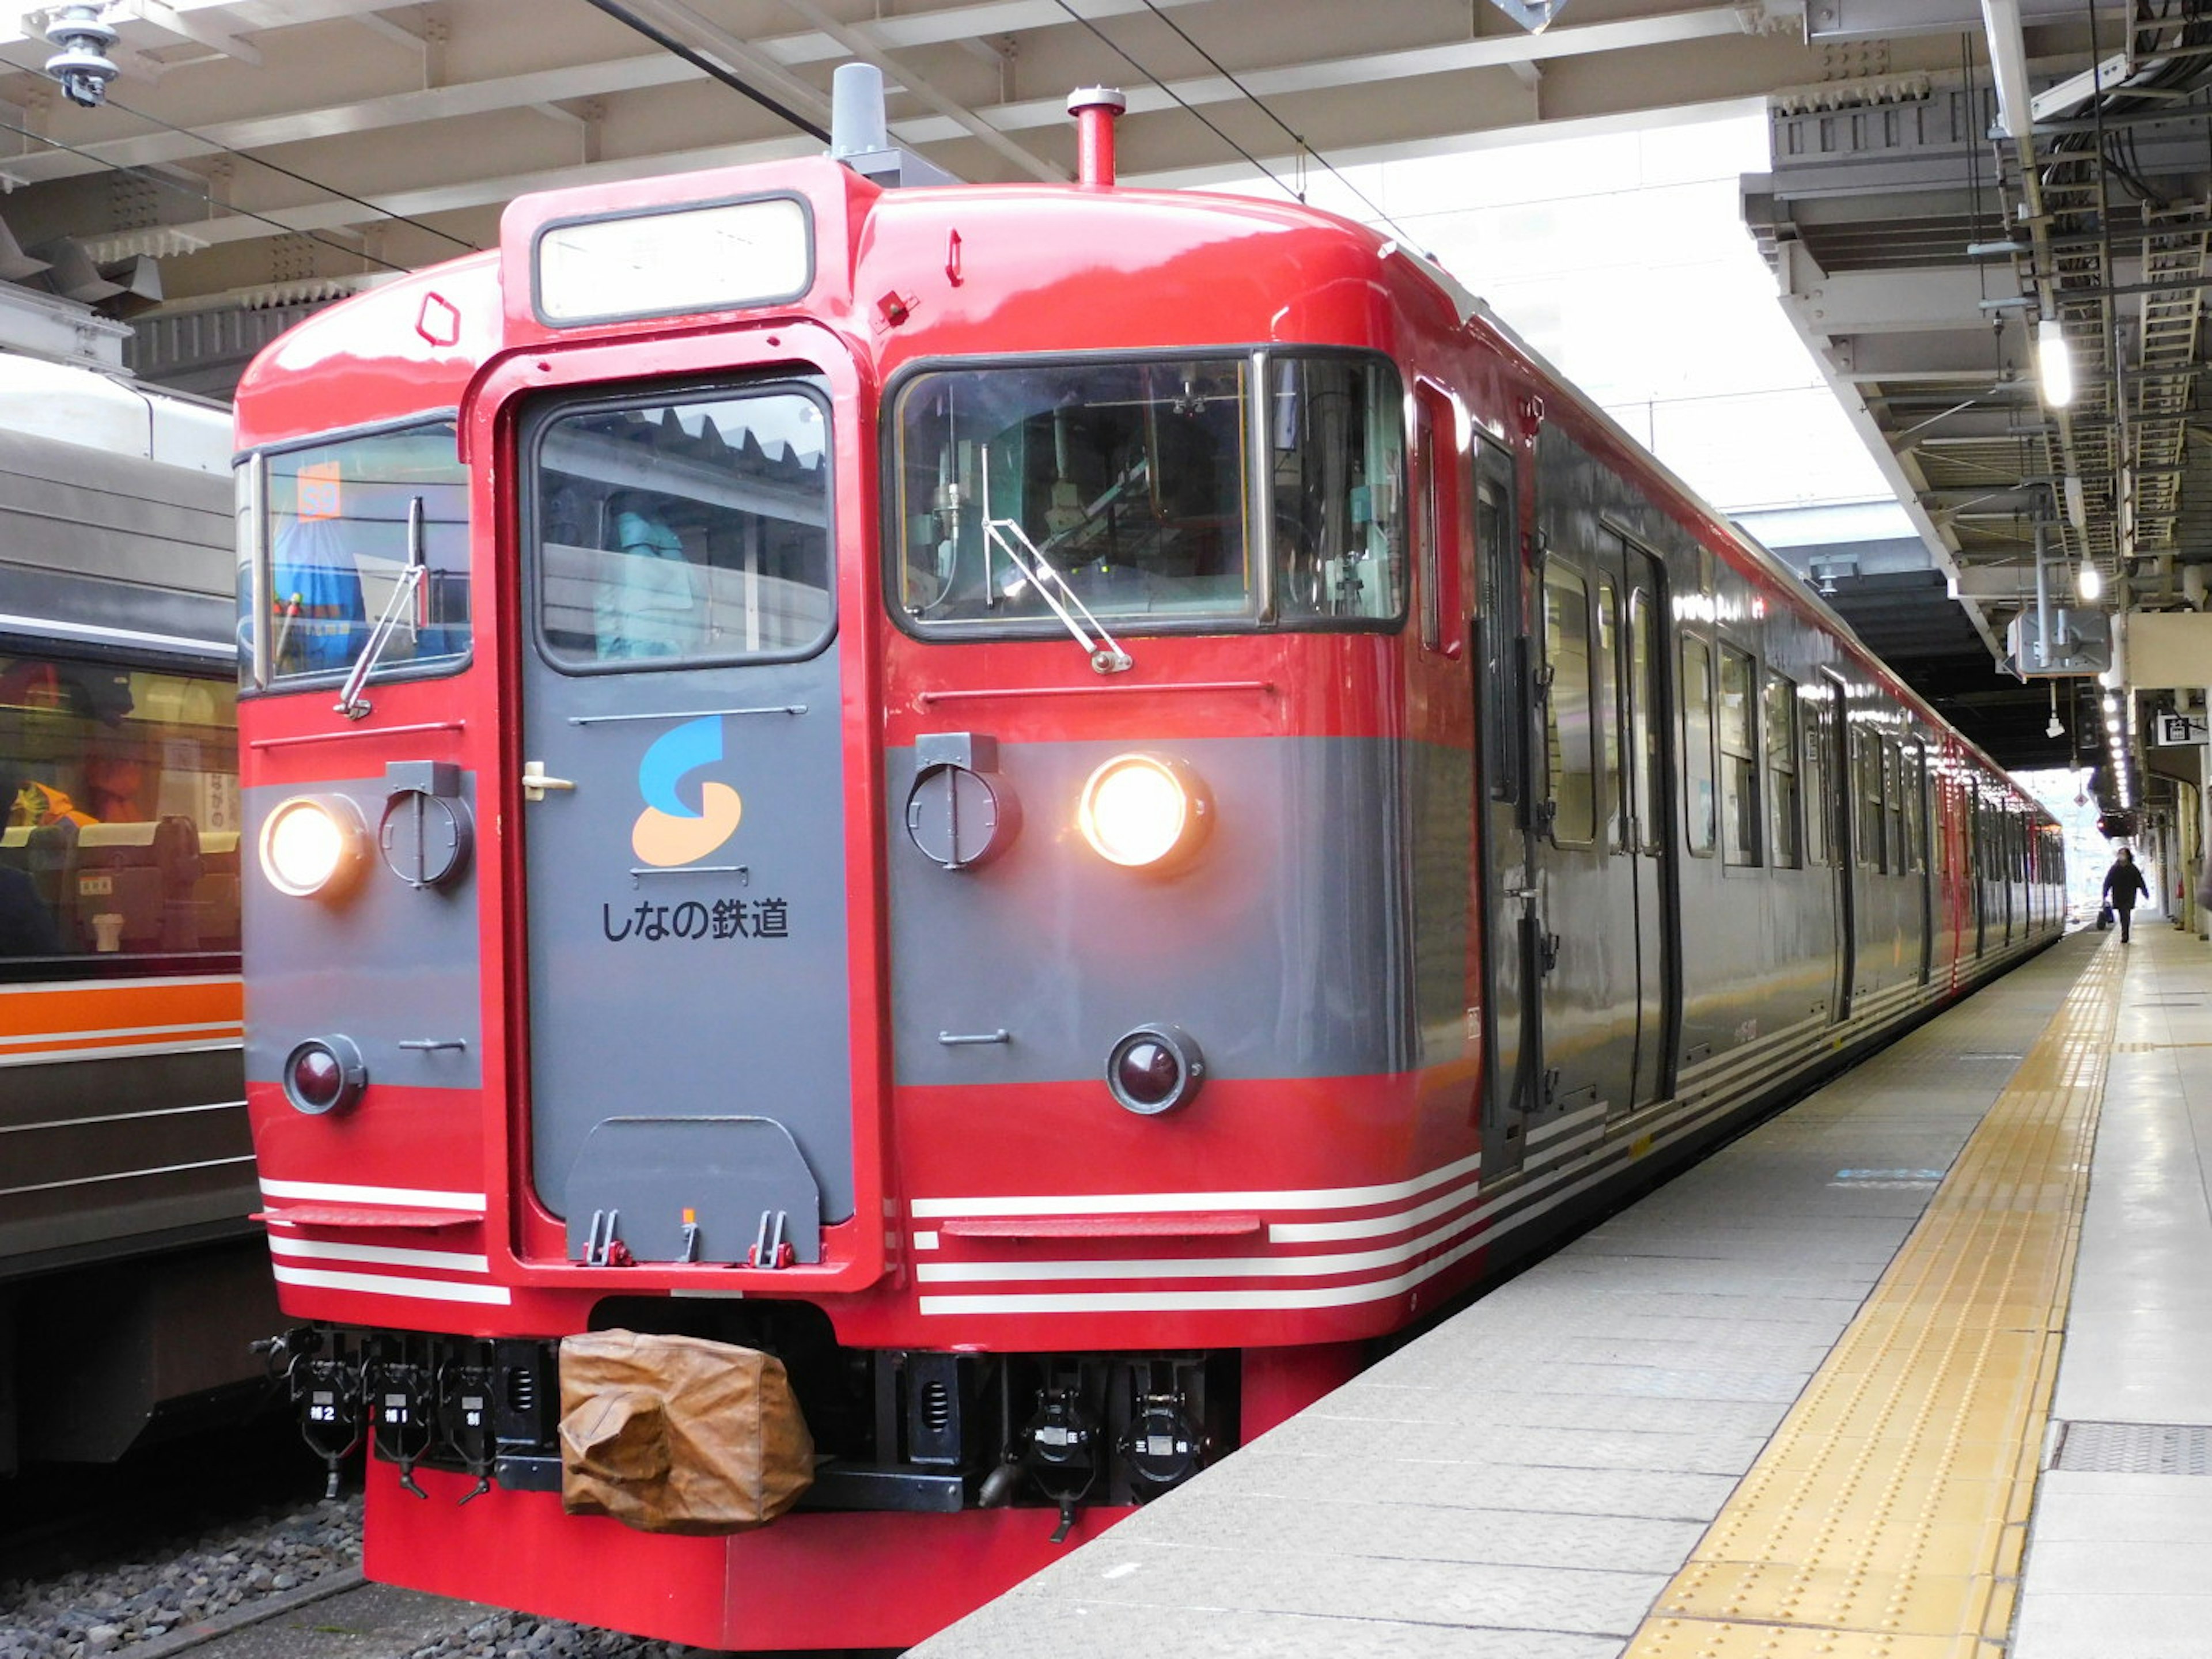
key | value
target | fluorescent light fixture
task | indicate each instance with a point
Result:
(2054, 364)
(2090, 584)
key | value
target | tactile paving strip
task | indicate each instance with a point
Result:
(1888, 1516)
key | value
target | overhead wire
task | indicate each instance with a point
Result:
(148, 174)
(1120, 51)
(207, 196)
(1261, 104)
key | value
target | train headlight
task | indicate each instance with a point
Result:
(313, 845)
(324, 1074)
(1154, 1069)
(1144, 812)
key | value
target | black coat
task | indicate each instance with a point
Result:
(2124, 883)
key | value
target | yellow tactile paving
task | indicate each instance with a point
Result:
(1887, 1517)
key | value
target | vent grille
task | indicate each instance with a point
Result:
(2134, 1448)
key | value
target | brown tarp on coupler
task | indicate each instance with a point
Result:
(676, 1434)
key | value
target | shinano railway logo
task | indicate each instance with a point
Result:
(669, 832)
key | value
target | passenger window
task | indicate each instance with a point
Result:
(1819, 787)
(1738, 761)
(688, 532)
(1913, 764)
(1567, 709)
(120, 791)
(1781, 817)
(1644, 740)
(1892, 796)
(1607, 662)
(1868, 755)
(1498, 554)
(1698, 798)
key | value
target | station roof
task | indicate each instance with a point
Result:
(256, 158)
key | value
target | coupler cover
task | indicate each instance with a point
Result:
(678, 1434)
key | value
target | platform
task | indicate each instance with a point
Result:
(1894, 1375)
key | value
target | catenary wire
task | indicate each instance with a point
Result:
(154, 178)
(1195, 113)
(1261, 104)
(246, 155)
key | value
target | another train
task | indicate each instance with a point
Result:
(1062, 807)
(132, 1278)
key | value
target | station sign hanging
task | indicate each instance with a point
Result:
(2172, 730)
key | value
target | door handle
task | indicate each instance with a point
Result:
(535, 783)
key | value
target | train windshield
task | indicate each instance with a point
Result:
(338, 536)
(1133, 482)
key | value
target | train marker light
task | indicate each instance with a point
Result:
(313, 845)
(324, 1074)
(1154, 1069)
(1143, 812)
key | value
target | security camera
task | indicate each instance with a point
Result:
(81, 64)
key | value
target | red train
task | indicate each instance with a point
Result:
(1059, 806)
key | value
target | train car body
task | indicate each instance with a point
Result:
(1062, 807)
(132, 1276)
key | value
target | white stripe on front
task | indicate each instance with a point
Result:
(422, 1198)
(390, 1255)
(427, 1289)
(1319, 1197)
(1285, 1297)
(1372, 1226)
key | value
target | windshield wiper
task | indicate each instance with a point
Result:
(1011, 539)
(351, 703)
(1107, 657)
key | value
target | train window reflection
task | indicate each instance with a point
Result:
(336, 541)
(1739, 764)
(1607, 660)
(1127, 478)
(1698, 798)
(1782, 770)
(695, 530)
(1644, 702)
(120, 850)
(1337, 441)
(1567, 706)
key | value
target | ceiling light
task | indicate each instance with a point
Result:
(2091, 582)
(2054, 363)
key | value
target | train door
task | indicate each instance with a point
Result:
(685, 874)
(1630, 589)
(1580, 945)
(1918, 824)
(1843, 814)
(1512, 1043)
(1978, 870)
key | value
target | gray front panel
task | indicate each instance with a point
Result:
(387, 964)
(714, 988)
(1280, 947)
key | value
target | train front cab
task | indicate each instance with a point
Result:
(572, 1003)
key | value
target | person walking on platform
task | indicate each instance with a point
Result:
(2123, 886)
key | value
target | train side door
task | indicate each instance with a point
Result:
(684, 865)
(1500, 646)
(1841, 809)
(1640, 841)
